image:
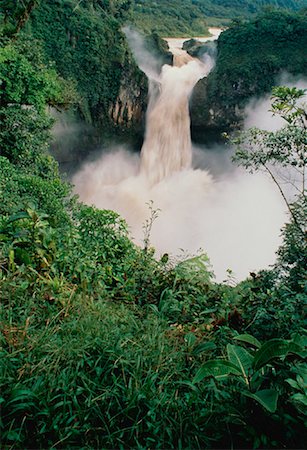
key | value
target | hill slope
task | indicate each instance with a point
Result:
(250, 57)
(235, 8)
(191, 17)
(86, 43)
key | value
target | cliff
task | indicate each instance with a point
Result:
(86, 44)
(251, 55)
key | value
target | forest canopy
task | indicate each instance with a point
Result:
(192, 17)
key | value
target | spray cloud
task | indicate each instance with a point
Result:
(235, 219)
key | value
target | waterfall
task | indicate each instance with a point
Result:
(167, 147)
(236, 219)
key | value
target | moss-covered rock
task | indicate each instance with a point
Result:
(250, 57)
(87, 45)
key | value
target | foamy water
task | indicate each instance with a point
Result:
(235, 220)
(167, 147)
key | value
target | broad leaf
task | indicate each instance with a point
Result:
(190, 339)
(267, 398)
(241, 358)
(273, 349)
(301, 398)
(217, 368)
(300, 340)
(204, 347)
(188, 384)
(18, 216)
(293, 383)
(249, 339)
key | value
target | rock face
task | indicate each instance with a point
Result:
(198, 49)
(199, 108)
(251, 57)
(206, 113)
(129, 108)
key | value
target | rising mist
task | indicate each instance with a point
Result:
(235, 219)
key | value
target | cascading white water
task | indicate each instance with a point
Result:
(235, 220)
(167, 147)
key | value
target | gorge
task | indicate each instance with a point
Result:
(235, 218)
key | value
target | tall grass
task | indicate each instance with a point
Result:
(104, 376)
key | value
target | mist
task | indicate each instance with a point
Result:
(147, 61)
(204, 203)
(235, 220)
(257, 112)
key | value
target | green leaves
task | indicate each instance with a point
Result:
(218, 369)
(22, 400)
(282, 155)
(25, 82)
(285, 103)
(251, 367)
(275, 348)
(266, 397)
(241, 358)
(247, 338)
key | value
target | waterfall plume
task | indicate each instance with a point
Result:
(167, 147)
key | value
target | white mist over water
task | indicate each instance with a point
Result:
(258, 112)
(236, 220)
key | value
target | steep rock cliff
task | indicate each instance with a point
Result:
(86, 44)
(250, 58)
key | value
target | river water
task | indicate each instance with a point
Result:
(175, 44)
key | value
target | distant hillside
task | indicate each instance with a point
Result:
(235, 8)
(192, 17)
(169, 17)
(86, 44)
(250, 57)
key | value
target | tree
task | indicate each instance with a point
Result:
(27, 87)
(15, 14)
(283, 155)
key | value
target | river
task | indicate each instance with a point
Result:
(175, 44)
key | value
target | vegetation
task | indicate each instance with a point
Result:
(251, 55)
(192, 17)
(273, 152)
(169, 18)
(241, 8)
(103, 346)
(85, 41)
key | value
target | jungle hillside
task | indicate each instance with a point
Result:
(192, 17)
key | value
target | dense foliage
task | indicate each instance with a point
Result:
(239, 8)
(192, 17)
(169, 18)
(103, 346)
(86, 42)
(251, 55)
